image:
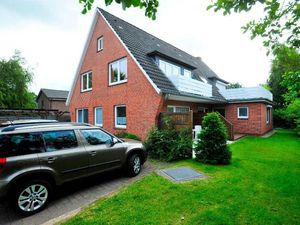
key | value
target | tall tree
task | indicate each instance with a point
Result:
(287, 60)
(14, 81)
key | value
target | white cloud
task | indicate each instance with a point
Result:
(52, 39)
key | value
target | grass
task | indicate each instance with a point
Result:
(261, 186)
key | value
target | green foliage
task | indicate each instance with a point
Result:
(280, 24)
(150, 6)
(291, 80)
(14, 82)
(211, 147)
(234, 85)
(286, 61)
(128, 136)
(293, 113)
(168, 144)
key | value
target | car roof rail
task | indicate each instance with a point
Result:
(41, 125)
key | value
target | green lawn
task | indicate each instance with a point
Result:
(261, 186)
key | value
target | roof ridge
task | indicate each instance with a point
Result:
(194, 57)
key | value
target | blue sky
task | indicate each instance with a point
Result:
(51, 35)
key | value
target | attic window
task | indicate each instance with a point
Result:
(100, 44)
(120, 27)
(180, 55)
(158, 45)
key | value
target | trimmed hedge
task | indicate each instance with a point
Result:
(211, 147)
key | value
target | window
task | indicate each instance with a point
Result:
(20, 144)
(120, 116)
(202, 109)
(59, 140)
(100, 44)
(86, 81)
(118, 71)
(96, 137)
(242, 112)
(82, 115)
(178, 109)
(268, 116)
(171, 69)
(98, 116)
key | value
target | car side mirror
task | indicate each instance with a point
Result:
(114, 141)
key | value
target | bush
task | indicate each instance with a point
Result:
(211, 147)
(169, 144)
(128, 135)
(280, 118)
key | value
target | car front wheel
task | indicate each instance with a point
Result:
(32, 197)
(134, 165)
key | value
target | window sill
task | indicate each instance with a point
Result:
(87, 90)
(121, 127)
(99, 125)
(241, 118)
(99, 50)
(116, 83)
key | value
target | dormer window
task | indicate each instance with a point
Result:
(100, 44)
(171, 69)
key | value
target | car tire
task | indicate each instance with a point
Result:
(31, 197)
(134, 165)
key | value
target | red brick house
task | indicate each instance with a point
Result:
(127, 77)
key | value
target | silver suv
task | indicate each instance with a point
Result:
(36, 157)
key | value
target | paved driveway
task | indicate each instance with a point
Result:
(73, 196)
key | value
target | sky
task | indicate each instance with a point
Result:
(51, 35)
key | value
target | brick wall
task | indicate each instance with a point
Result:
(256, 122)
(141, 100)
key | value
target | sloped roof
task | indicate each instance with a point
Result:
(54, 94)
(142, 45)
(248, 93)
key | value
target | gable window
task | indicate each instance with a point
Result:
(178, 109)
(118, 72)
(82, 116)
(120, 116)
(243, 112)
(268, 116)
(98, 116)
(100, 44)
(86, 81)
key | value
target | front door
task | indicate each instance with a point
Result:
(220, 110)
(103, 155)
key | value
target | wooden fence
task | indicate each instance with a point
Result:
(190, 119)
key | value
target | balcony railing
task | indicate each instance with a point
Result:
(193, 86)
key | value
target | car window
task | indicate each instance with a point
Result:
(96, 137)
(59, 140)
(20, 144)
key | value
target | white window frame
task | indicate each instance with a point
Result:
(119, 81)
(87, 80)
(238, 112)
(95, 116)
(176, 106)
(82, 114)
(100, 44)
(116, 124)
(268, 120)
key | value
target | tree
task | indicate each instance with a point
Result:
(211, 147)
(150, 6)
(14, 82)
(287, 60)
(280, 25)
(234, 85)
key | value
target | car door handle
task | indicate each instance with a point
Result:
(93, 153)
(51, 159)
